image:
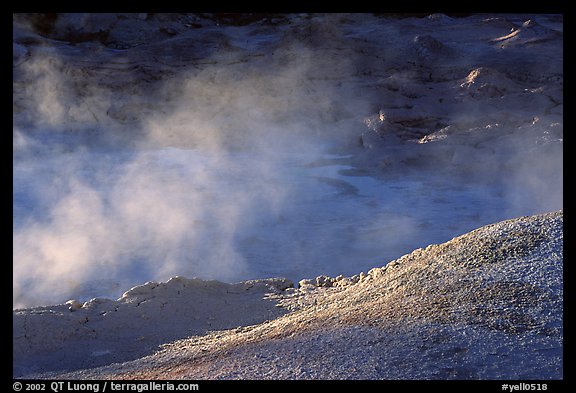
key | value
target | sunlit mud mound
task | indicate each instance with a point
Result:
(484, 305)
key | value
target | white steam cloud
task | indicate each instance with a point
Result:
(223, 171)
(126, 215)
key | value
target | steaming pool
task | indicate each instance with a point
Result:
(94, 222)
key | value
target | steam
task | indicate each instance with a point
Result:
(215, 169)
(144, 223)
(114, 214)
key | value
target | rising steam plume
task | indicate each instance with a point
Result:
(214, 152)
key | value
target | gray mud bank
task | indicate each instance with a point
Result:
(484, 305)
